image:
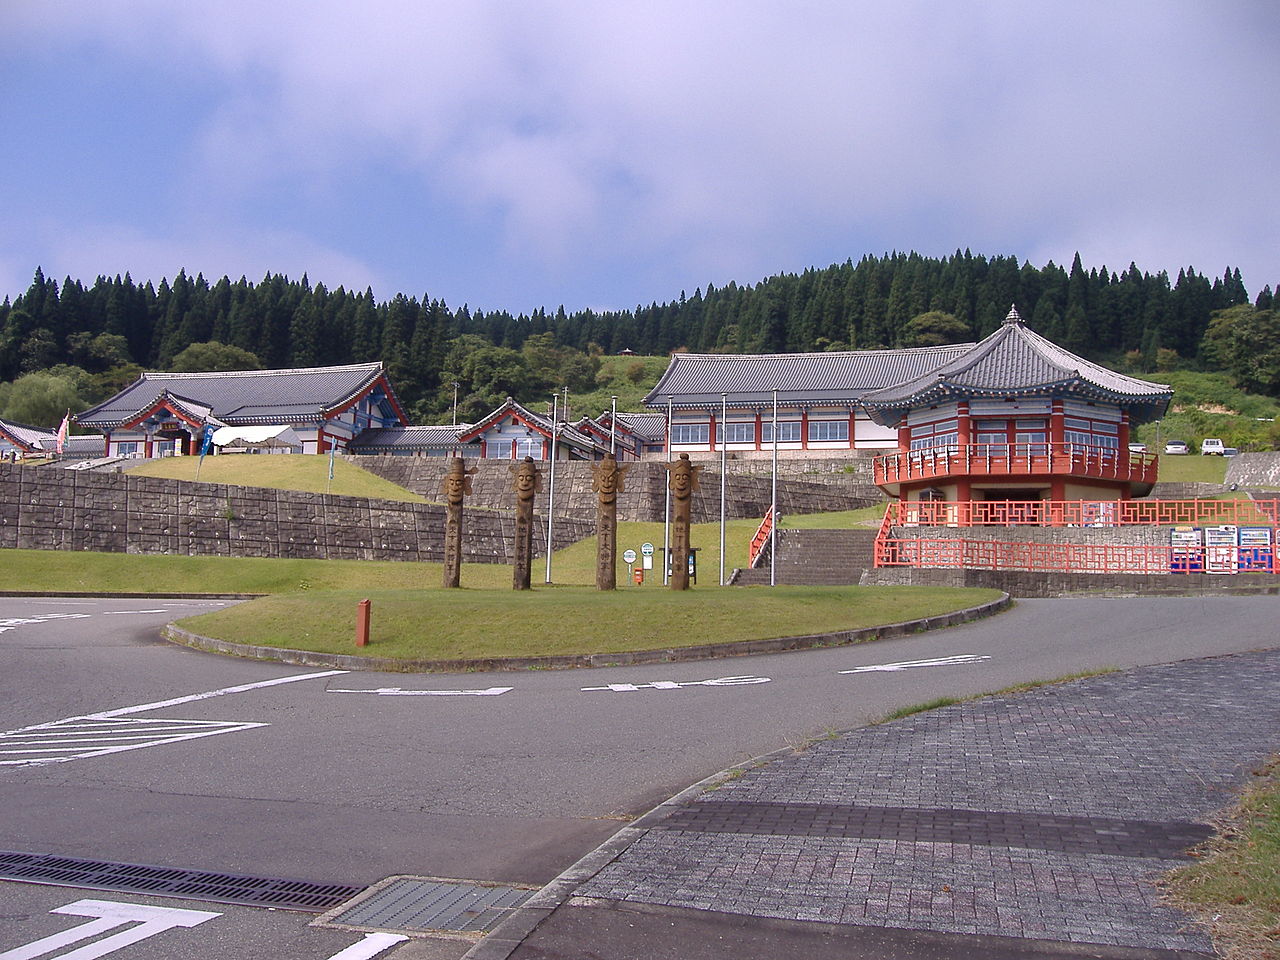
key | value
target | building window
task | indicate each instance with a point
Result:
(943, 434)
(1091, 433)
(691, 433)
(128, 448)
(529, 447)
(788, 431)
(740, 432)
(820, 430)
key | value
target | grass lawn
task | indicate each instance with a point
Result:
(1235, 885)
(1192, 468)
(547, 621)
(865, 517)
(294, 471)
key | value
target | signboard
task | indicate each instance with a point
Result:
(628, 556)
(647, 549)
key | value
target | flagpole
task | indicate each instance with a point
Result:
(551, 489)
(773, 507)
(724, 457)
(666, 514)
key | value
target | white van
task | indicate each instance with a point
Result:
(1211, 446)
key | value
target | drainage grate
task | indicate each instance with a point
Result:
(421, 903)
(174, 882)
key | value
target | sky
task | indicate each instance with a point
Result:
(605, 154)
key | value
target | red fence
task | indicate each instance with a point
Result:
(763, 533)
(1078, 557)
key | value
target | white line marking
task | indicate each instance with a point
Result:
(109, 915)
(47, 745)
(141, 708)
(672, 685)
(398, 692)
(911, 664)
(116, 613)
(372, 945)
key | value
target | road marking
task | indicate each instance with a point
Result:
(673, 685)
(911, 664)
(116, 613)
(108, 915)
(101, 733)
(241, 688)
(399, 692)
(78, 740)
(12, 623)
(372, 945)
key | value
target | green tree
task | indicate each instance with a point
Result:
(1245, 341)
(934, 328)
(41, 399)
(213, 357)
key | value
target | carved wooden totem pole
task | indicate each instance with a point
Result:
(607, 480)
(457, 484)
(527, 482)
(682, 479)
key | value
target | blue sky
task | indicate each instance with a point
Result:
(604, 154)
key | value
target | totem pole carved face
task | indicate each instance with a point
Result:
(682, 477)
(607, 478)
(528, 480)
(457, 482)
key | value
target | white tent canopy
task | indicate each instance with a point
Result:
(276, 438)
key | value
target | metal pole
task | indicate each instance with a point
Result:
(455, 403)
(773, 506)
(666, 514)
(613, 427)
(724, 413)
(551, 488)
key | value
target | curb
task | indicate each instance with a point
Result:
(121, 595)
(343, 661)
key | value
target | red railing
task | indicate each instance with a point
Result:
(1016, 460)
(1078, 557)
(763, 533)
(1079, 513)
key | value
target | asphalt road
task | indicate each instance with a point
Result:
(353, 777)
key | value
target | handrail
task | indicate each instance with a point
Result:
(761, 538)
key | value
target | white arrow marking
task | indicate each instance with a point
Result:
(399, 692)
(910, 664)
(372, 945)
(672, 685)
(109, 914)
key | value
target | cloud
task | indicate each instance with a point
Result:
(736, 138)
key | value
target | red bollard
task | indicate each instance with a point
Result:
(362, 623)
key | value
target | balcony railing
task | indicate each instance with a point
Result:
(1016, 460)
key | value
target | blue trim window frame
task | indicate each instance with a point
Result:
(828, 430)
(691, 433)
(788, 431)
(740, 432)
(1091, 433)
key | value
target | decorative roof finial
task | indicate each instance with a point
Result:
(1013, 316)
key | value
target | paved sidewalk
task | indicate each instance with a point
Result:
(1030, 824)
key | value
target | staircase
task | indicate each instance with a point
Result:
(816, 557)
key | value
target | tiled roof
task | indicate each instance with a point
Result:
(243, 396)
(1017, 361)
(30, 438)
(698, 380)
(410, 438)
(565, 432)
(647, 426)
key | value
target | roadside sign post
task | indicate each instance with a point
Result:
(646, 554)
(629, 558)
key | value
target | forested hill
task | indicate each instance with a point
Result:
(112, 328)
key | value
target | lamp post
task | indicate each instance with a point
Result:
(666, 513)
(773, 505)
(724, 457)
(613, 426)
(551, 487)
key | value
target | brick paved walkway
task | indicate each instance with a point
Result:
(1040, 815)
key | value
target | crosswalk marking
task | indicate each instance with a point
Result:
(79, 738)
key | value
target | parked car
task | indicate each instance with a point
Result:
(1229, 451)
(1175, 447)
(1137, 448)
(1212, 447)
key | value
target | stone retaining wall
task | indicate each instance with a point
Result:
(71, 510)
(1254, 470)
(644, 498)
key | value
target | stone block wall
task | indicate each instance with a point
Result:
(1254, 470)
(644, 498)
(119, 513)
